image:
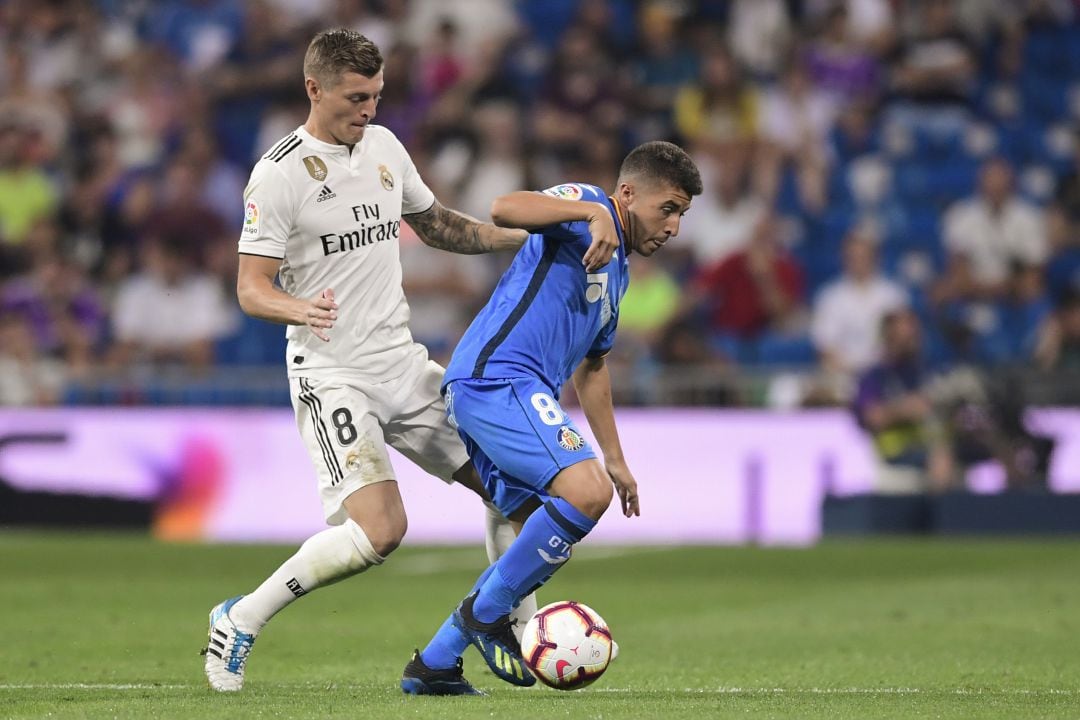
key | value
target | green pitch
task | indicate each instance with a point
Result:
(110, 626)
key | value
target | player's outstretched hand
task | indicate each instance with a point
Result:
(605, 240)
(626, 486)
(321, 314)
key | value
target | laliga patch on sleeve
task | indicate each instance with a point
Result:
(566, 191)
(251, 218)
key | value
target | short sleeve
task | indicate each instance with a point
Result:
(569, 232)
(416, 196)
(1029, 237)
(957, 229)
(605, 339)
(577, 230)
(823, 322)
(130, 312)
(577, 191)
(269, 210)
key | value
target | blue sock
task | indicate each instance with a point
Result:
(541, 549)
(448, 644)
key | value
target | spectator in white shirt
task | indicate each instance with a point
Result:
(170, 311)
(27, 376)
(986, 235)
(796, 119)
(724, 217)
(847, 314)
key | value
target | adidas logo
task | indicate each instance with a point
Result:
(325, 194)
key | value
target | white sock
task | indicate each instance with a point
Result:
(331, 555)
(498, 538)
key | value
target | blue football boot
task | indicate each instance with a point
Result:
(496, 642)
(419, 679)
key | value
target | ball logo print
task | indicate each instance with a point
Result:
(567, 645)
(597, 289)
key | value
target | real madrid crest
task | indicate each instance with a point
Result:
(386, 178)
(316, 168)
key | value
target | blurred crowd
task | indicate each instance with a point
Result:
(863, 160)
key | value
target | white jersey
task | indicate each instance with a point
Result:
(334, 218)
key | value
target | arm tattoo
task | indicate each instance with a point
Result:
(456, 232)
(449, 230)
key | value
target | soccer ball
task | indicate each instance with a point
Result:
(567, 645)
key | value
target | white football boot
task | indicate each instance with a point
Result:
(227, 650)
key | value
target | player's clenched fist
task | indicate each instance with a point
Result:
(605, 240)
(321, 314)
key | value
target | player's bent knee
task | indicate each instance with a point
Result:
(600, 495)
(378, 510)
(586, 486)
(386, 535)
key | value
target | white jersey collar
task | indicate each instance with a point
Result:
(326, 147)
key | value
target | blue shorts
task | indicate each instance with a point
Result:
(516, 434)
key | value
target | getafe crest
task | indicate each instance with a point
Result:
(386, 178)
(316, 168)
(569, 439)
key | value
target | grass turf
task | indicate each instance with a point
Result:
(110, 626)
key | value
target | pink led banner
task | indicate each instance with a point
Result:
(706, 476)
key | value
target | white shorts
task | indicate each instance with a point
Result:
(346, 425)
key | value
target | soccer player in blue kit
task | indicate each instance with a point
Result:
(549, 319)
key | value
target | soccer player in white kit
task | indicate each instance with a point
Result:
(323, 211)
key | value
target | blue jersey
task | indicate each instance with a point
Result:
(547, 313)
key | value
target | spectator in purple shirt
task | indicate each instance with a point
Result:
(837, 65)
(63, 311)
(893, 406)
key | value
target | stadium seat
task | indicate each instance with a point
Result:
(1044, 49)
(911, 180)
(1036, 183)
(1052, 146)
(786, 350)
(1045, 97)
(732, 347)
(255, 342)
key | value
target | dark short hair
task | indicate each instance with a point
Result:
(664, 162)
(333, 52)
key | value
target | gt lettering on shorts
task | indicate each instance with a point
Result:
(566, 191)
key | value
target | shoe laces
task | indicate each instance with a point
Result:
(238, 653)
(504, 633)
(458, 671)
